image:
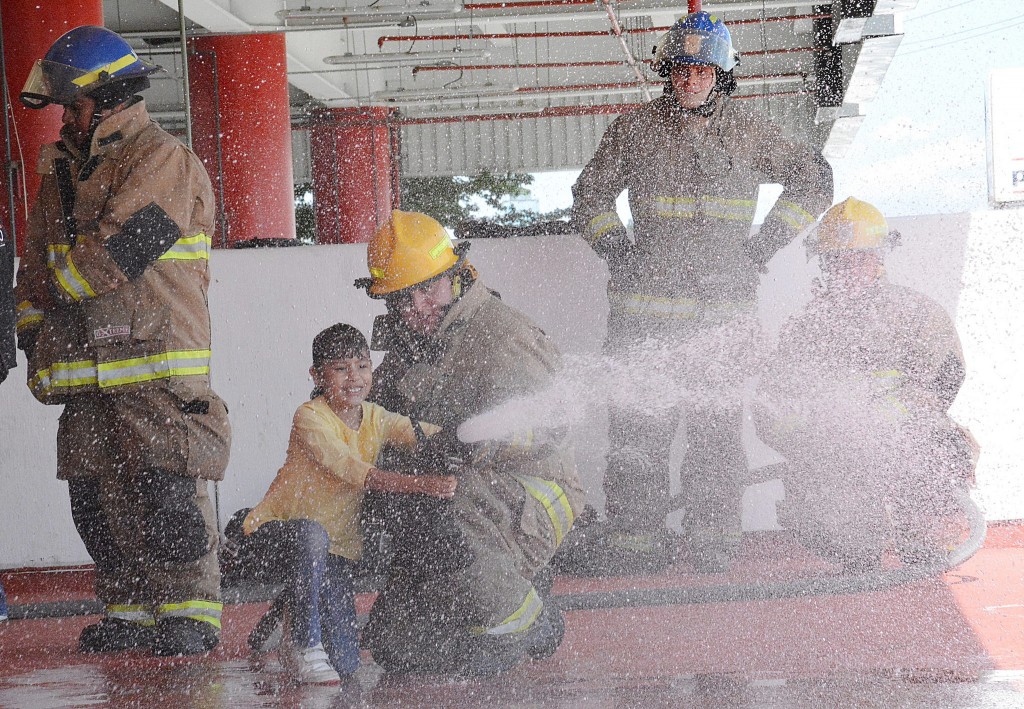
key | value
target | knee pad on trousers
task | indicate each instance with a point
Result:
(91, 522)
(173, 526)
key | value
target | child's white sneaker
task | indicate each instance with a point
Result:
(308, 666)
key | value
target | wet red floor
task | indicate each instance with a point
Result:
(954, 640)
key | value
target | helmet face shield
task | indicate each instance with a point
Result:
(697, 39)
(696, 47)
(50, 82)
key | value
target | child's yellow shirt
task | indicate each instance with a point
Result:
(324, 474)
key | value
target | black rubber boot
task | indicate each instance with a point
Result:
(114, 635)
(183, 636)
(546, 633)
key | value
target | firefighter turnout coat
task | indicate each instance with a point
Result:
(693, 184)
(856, 399)
(112, 290)
(518, 499)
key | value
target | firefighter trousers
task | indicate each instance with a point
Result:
(142, 511)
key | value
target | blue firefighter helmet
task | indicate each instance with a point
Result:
(87, 61)
(698, 38)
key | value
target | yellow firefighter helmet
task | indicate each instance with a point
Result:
(851, 225)
(411, 249)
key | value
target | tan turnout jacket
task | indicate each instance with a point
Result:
(117, 298)
(693, 184)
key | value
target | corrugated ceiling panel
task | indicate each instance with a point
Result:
(524, 145)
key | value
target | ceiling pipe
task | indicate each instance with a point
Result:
(630, 59)
(558, 111)
(533, 35)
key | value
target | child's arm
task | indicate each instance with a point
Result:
(442, 486)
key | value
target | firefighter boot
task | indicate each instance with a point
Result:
(546, 633)
(184, 636)
(115, 635)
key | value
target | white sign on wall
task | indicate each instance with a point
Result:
(1005, 118)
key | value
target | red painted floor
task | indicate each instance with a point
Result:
(956, 640)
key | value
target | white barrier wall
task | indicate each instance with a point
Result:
(267, 305)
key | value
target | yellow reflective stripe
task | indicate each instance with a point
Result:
(376, 272)
(887, 374)
(64, 375)
(205, 611)
(675, 206)
(72, 280)
(551, 495)
(189, 248)
(163, 365)
(601, 225)
(111, 68)
(53, 250)
(441, 246)
(142, 615)
(671, 308)
(72, 374)
(522, 439)
(674, 308)
(520, 620)
(740, 210)
(792, 214)
(27, 315)
(718, 207)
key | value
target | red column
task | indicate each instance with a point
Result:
(241, 128)
(29, 28)
(355, 172)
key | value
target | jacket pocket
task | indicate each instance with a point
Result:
(208, 435)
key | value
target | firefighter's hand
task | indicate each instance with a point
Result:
(442, 486)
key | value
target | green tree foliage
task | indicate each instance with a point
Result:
(451, 200)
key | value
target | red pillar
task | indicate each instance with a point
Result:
(29, 28)
(241, 128)
(355, 172)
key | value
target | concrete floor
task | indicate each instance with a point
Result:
(952, 640)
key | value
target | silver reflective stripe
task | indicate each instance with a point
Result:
(206, 611)
(142, 615)
(520, 620)
(675, 207)
(793, 214)
(28, 315)
(158, 366)
(675, 308)
(189, 248)
(649, 305)
(601, 225)
(551, 495)
(741, 210)
(737, 210)
(52, 251)
(71, 279)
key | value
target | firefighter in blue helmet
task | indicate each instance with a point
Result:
(692, 161)
(113, 317)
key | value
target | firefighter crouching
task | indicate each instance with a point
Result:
(112, 315)
(692, 161)
(856, 399)
(455, 350)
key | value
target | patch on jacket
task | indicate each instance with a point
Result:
(111, 331)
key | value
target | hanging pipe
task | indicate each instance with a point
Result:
(529, 35)
(630, 59)
(9, 168)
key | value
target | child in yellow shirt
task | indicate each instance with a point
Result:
(311, 511)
